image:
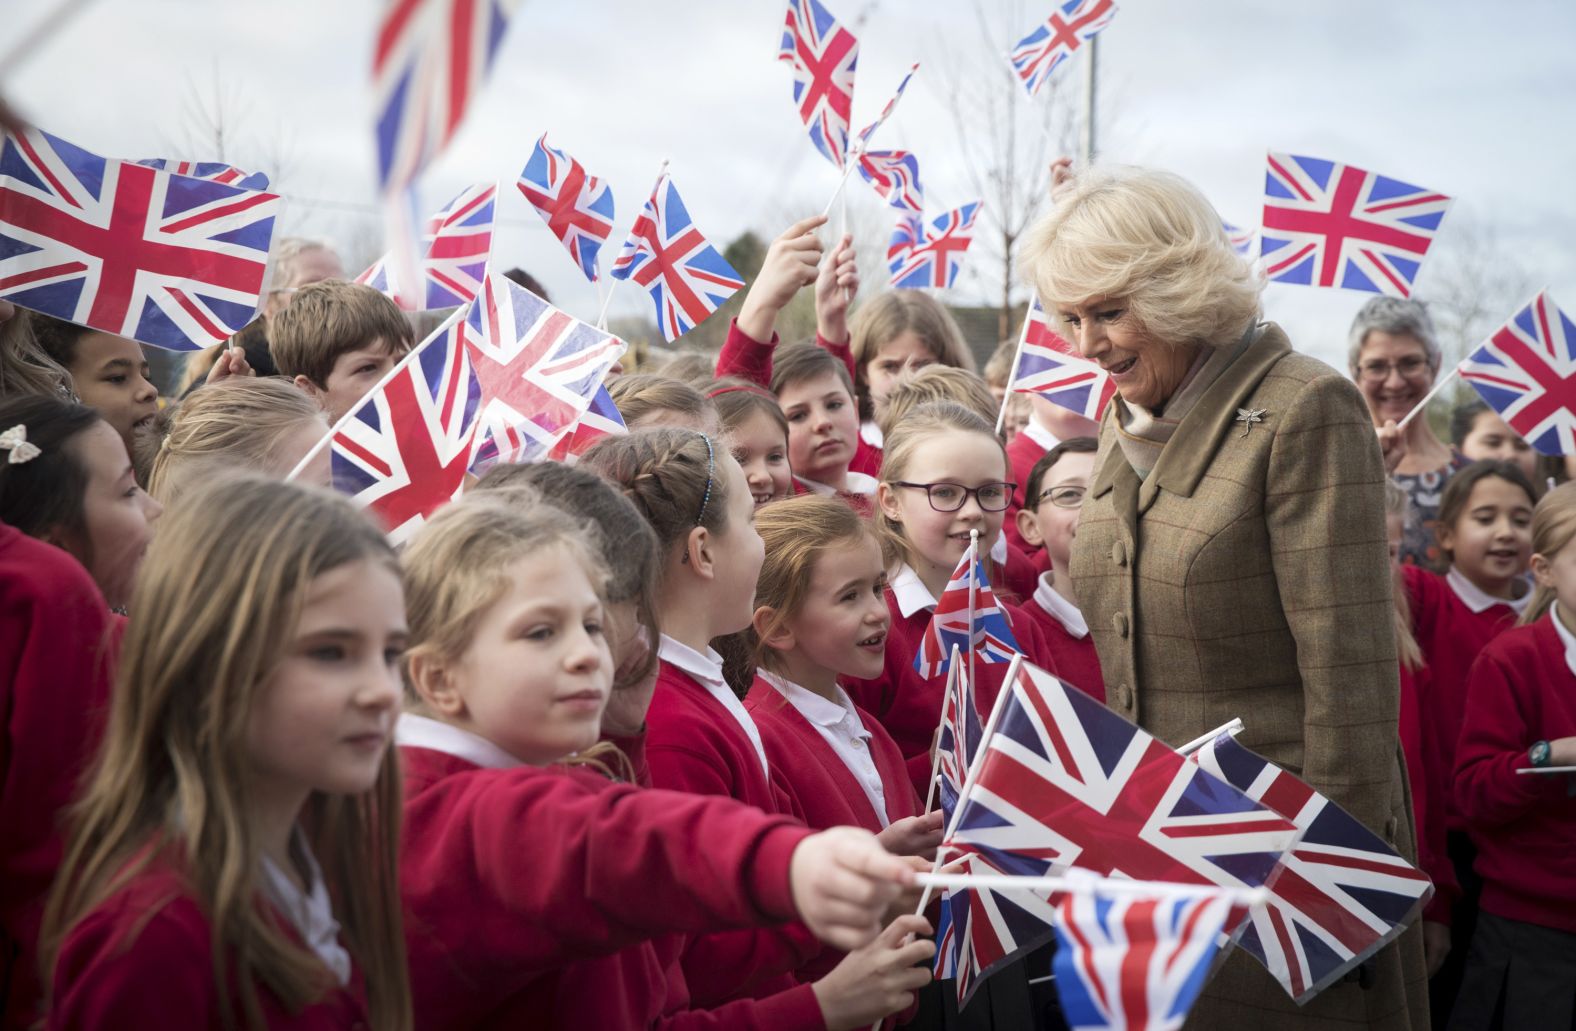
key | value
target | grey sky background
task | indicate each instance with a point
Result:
(1477, 101)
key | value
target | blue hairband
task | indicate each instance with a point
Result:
(711, 469)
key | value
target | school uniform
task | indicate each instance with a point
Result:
(746, 358)
(1023, 451)
(869, 450)
(509, 870)
(1016, 575)
(907, 705)
(860, 495)
(57, 645)
(1064, 628)
(1426, 779)
(1521, 690)
(143, 959)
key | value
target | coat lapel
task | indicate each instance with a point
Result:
(1117, 477)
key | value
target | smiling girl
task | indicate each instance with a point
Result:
(757, 436)
(108, 373)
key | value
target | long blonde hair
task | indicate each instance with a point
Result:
(173, 774)
(1553, 529)
(1398, 504)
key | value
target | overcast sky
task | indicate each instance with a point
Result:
(1474, 100)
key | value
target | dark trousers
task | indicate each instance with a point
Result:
(1518, 975)
(1443, 986)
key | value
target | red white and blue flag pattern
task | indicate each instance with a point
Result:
(430, 58)
(601, 420)
(895, 175)
(1527, 372)
(906, 234)
(868, 131)
(966, 617)
(1133, 962)
(1066, 784)
(501, 380)
(1329, 224)
(212, 170)
(1241, 240)
(668, 256)
(453, 252)
(824, 55)
(960, 736)
(165, 259)
(1050, 366)
(1069, 27)
(1342, 893)
(937, 258)
(578, 208)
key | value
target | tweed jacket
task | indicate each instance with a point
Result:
(1248, 576)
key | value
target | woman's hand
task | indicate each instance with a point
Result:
(1392, 446)
(791, 264)
(913, 835)
(835, 288)
(842, 880)
(879, 979)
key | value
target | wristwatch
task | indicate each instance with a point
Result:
(1538, 754)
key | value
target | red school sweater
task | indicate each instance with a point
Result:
(1521, 690)
(57, 644)
(908, 706)
(1451, 637)
(1076, 658)
(1022, 452)
(143, 959)
(1427, 780)
(506, 873)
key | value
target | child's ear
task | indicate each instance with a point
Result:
(697, 553)
(432, 682)
(886, 501)
(307, 387)
(1543, 571)
(778, 638)
(1446, 536)
(1029, 528)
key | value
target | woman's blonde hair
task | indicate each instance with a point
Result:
(888, 316)
(797, 532)
(1151, 240)
(1398, 505)
(937, 383)
(459, 566)
(907, 441)
(173, 775)
(229, 425)
(1553, 529)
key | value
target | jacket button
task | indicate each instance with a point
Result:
(1119, 553)
(1390, 826)
(1124, 696)
(1119, 624)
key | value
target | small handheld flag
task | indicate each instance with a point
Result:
(1050, 366)
(886, 112)
(937, 258)
(1069, 27)
(895, 175)
(666, 254)
(972, 624)
(824, 55)
(1241, 240)
(1526, 372)
(578, 208)
(453, 252)
(1328, 224)
(600, 420)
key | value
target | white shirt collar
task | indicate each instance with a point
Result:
(823, 712)
(998, 550)
(415, 731)
(707, 671)
(310, 911)
(1477, 599)
(910, 591)
(870, 433)
(1039, 434)
(858, 483)
(844, 732)
(1062, 610)
(1567, 638)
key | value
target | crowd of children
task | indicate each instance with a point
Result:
(637, 742)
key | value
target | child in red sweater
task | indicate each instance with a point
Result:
(514, 670)
(943, 475)
(1521, 716)
(1053, 498)
(1048, 425)
(241, 814)
(817, 398)
(757, 436)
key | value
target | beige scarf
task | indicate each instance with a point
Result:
(1143, 434)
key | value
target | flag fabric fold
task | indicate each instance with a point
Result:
(599, 421)
(1051, 43)
(214, 171)
(936, 258)
(1526, 371)
(686, 276)
(824, 56)
(453, 252)
(895, 176)
(984, 630)
(578, 208)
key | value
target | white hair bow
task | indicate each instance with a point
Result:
(14, 440)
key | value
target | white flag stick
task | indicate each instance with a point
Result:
(1439, 385)
(1233, 728)
(848, 170)
(601, 319)
(1017, 356)
(935, 760)
(974, 557)
(1093, 883)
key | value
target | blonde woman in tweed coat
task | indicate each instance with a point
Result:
(1231, 555)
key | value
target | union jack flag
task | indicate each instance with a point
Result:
(1065, 783)
(1134, 962)
(966, 617)
(895, 175)
(454, 249)
(1328, 224)
(126, 249)
(990, 927)
(600, 420)
(1342, 893)
(210, 170)
(886, 112)
(429, 59)
(906, 234)
(1069, 27)
(578, 208)
(938, 258)
(959, 738)
(666, 254)
(1527, 372)
(1241, 240)
(824, 55)
(1050, 366)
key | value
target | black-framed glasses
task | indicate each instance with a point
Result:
(1062, 497)
(949, 497)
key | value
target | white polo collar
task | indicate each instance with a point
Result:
(1060, 609)
(821, 711)
(1567, 638)
(413, 731)
(309, 911)
(1039, 434)
(858, 483)
(707, 671)
(910, 591)
(870, 433)
(1477, 599)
